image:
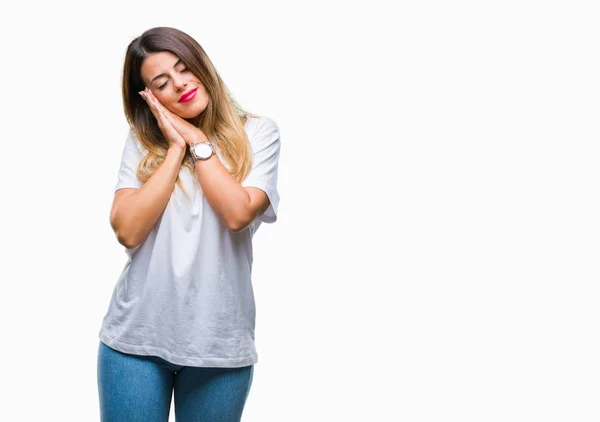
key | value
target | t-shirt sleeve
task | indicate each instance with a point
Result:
(129, 162)
(265, 145)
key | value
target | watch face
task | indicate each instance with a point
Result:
(203, 150)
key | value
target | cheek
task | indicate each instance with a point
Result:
(165, 99)
(160, 96)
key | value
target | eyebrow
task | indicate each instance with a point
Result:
(164, 74)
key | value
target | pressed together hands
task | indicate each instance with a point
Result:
(135, 211)
(234, 205)
(179, 132)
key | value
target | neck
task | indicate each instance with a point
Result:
(195, 121)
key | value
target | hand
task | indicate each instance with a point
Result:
(174, 138)
(188, 131)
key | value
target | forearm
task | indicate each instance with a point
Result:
(138, 212)
(226, 196)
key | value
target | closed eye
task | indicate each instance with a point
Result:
(185, 69)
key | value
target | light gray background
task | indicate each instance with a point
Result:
(436, 256)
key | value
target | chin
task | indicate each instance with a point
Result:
(189, 114)
(191, 109)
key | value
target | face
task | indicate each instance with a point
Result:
(172, 83)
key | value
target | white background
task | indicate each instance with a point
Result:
(436, 254)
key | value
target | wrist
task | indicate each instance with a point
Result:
(202, 150)
(197, 137)
(177, 150)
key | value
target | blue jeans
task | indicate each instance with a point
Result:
(139, 388)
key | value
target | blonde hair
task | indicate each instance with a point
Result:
(222, 121)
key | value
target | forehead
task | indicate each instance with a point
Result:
(157, 63)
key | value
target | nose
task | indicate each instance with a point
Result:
(179, 83)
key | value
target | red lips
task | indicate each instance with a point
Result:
(188, 95)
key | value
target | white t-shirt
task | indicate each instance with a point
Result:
(185, 294)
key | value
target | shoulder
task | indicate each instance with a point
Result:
(261, 128)
(266, 122)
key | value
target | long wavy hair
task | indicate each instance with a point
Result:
(222, 121)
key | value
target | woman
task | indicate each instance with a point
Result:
(198, 175)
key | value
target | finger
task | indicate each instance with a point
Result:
(144, 95)
(163, 121)
(148, 99)
(155, 106)
(163, 115)
(160, 108)
(156, 103)
(150, 94)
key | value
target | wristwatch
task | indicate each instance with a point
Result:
(202, 150)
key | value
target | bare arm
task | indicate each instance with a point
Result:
(235, 205)
(135, 211)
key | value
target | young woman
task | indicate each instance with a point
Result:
(198, 175)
